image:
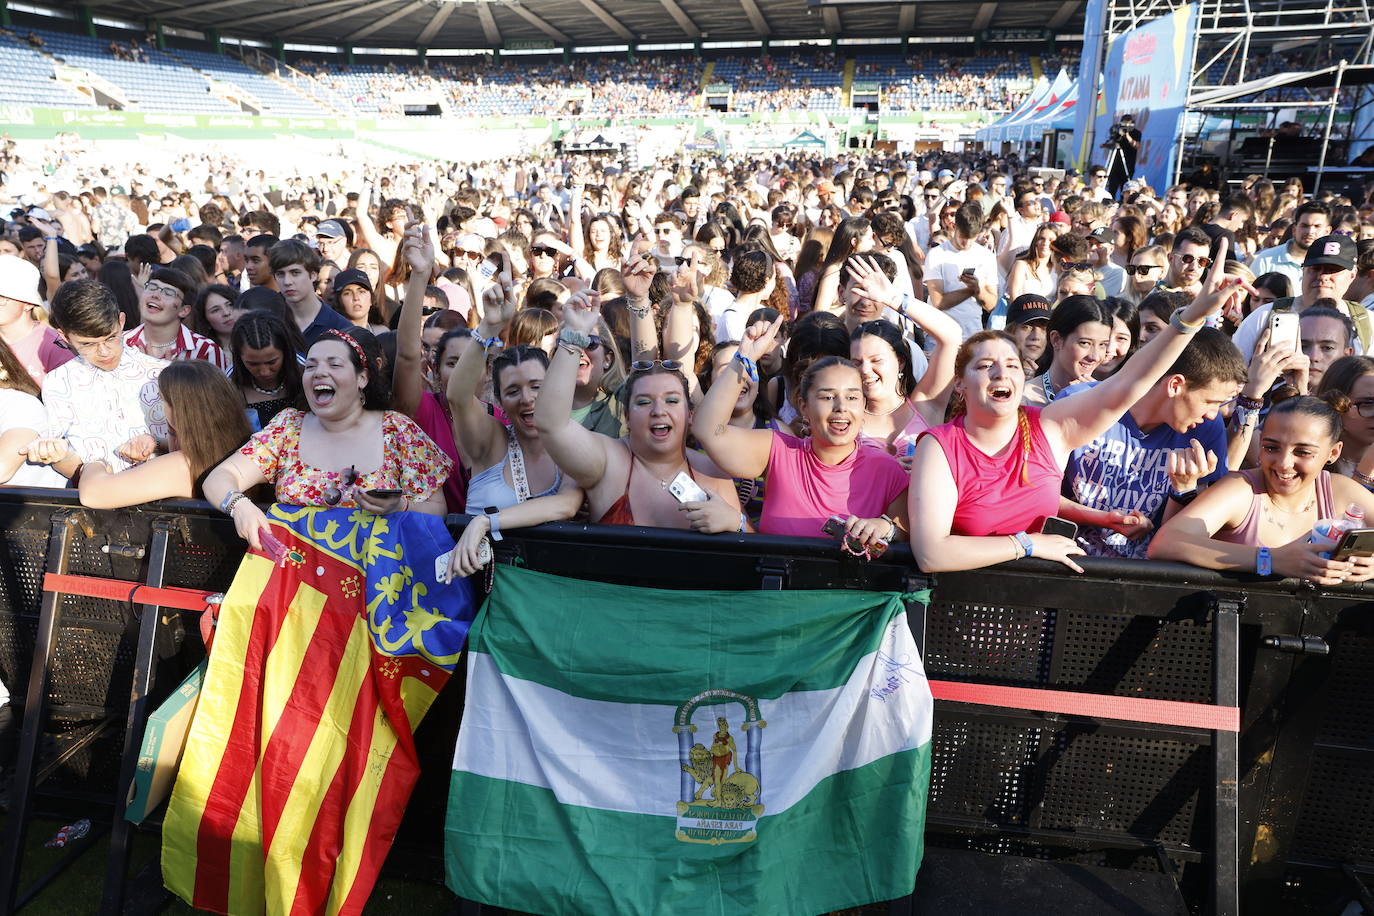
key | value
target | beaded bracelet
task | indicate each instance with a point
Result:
(1363, 480)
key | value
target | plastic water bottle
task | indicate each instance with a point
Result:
(1328, 531)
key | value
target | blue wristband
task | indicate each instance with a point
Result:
(750, 369)
(1264, 566)
(1027, 545)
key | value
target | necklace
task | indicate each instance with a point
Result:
(1270, 511)
(886, 413)
(663, 484)
(274, 392)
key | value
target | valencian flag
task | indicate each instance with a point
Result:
(634, 750)
(301, 756)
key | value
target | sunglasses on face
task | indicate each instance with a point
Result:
(465, 253)
(1141, 269)
(1075, 265)
(1187, 259)
(1364, 408)
(644, 365)
(543, 251)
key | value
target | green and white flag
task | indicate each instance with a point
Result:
(632, 750)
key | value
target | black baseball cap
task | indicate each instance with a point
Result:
(1029, 307)
(1338, 250)
(351, 277)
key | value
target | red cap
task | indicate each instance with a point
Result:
(1059, 216)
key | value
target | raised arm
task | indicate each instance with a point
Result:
(938, 381)
(580, 452)
(371, 235)
(407, 379)
(1078, 420)
(576, 189)
(638, 273)
(739, 452)
(480, 437)
(52, 269)
(681, 330)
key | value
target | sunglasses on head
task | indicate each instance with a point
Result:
(1190, 259)
(644, 365)
(1141, 269)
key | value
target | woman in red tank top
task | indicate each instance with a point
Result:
(983, 481)
(627, 480)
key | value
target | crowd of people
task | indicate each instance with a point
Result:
(947, 349)
(668, 84)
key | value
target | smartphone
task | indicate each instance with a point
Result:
(1358, 542)
(384, 492)
(1283, 329)
(687, 490)
(441, 562)
(1060, 526)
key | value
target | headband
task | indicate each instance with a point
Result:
(357, 347)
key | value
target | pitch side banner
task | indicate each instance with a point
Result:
(1147, 75)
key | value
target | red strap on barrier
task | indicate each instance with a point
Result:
(186, 599)
(1098, 705)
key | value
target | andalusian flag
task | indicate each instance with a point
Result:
(301, 757)
(632, 750)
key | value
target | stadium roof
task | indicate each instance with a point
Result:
(517, 23)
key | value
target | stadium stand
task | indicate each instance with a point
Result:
(29, 78)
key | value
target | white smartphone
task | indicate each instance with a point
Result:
(687, 490)
(441, 562)
(1284, 329)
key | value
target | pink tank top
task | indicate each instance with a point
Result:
(1005, 493)
(1247, 532)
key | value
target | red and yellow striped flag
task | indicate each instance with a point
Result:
(301, 757)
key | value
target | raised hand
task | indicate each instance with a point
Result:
(581, 313)
(1219, 292)
(418, 247)
(1188, 465)
(870, 281)
(759, 338)
(638, 274)
(498, 306)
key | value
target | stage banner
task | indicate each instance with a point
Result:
(301, 756)
(1147, 75)
(632, 751)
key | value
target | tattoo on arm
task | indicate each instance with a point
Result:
(720, 429)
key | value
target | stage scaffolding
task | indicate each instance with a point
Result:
(1325, 47)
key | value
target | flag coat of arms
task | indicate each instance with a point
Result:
(301, 757)
(634, 751)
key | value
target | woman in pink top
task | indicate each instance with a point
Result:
(809, 480)
(982, 482)
(1260, 519)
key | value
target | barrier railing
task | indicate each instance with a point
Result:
(1089, 720)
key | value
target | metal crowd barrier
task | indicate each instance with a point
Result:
(1060, 744)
